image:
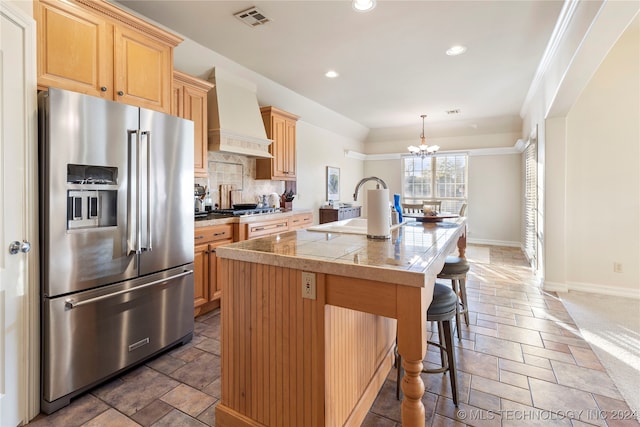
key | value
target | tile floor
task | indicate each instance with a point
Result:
(521, 361)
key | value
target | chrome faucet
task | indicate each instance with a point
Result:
(363, 180)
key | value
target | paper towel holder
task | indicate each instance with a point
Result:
(355, 197)
(378, 214)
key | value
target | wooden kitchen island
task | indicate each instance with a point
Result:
(288, 360)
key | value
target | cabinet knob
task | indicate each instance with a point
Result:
(103, 88)
(120, 93)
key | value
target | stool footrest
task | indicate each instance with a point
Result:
(435, 371)
(442, 369)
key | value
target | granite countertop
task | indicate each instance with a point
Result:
(412, 257)
(214, 219)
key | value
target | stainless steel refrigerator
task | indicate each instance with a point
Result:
(116, 227)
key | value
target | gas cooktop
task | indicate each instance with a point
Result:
(222, 213)
(245, 212)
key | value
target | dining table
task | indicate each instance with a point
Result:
(438, 217)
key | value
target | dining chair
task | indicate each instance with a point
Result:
(463, 209)
(433, 205)
(411, 208)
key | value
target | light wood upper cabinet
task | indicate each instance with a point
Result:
(75, 49)
(95, 48)
(189, 100)
(143, 70)
(281, 128)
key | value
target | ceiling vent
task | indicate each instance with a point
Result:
(453, 112)
(253, 17)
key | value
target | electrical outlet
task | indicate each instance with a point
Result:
(617, 267)
(308, 285)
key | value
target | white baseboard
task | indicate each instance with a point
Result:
(591, 288)
(555, 286)
(493, 242)
(594, 288)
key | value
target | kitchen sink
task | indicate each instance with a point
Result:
(346, 226)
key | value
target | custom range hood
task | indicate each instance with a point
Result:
(234, 118)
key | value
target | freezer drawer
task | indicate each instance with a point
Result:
(90, 336)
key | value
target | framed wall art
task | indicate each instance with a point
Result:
(333, 183)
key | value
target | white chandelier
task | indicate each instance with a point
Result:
(423, 150)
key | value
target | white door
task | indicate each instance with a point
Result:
(17, 186)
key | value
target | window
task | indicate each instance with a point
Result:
(439, 177)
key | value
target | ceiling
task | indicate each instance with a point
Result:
(391, 61)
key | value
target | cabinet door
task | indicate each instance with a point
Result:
(177, 99)
(215, 290)
(143, 70)
(75, 49)
(279, 147)
(195, 108)
(281, 128)
(328, 215)
(201, 275)
(290, 149)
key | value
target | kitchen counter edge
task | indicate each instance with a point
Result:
(205, 222)
(420, 274)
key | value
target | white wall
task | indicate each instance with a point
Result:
(26, 6)
(603, 175)
(574, 102)
(316, 149)
(495, 193)
(495, 188)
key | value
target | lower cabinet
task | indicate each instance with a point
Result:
(331, 214)
(298, 221)
(252, 230)
(205, 284)
(206, 289)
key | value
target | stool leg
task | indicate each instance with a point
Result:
(455, 285)
(463, 297)
(448, 337)
(441, 334)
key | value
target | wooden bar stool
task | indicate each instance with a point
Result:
(441, 310)
(456, 269)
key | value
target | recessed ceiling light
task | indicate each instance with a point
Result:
(331, 74)
(363, 5)
(456, 50)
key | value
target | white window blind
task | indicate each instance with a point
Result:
(531, 205)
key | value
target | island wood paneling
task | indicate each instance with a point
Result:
(273, 352)
(289, 361)
(357, 346)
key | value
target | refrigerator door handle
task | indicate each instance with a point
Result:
(138, 202)
(133, 230)
(71, 304)
(148, 185)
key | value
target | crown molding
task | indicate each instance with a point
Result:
(517, 148)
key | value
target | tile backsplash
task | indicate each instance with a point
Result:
(240, 171)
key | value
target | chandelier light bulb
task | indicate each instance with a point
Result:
(424, 149)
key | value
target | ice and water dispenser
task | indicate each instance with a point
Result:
(92, 194)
